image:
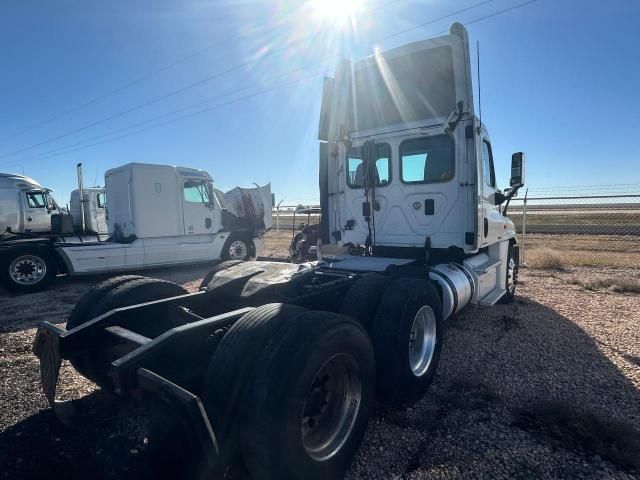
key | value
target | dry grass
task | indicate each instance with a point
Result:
(546, 259)
(586, 250)
(616, 284)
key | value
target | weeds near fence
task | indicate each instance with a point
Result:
(545, 259)
(618, 285)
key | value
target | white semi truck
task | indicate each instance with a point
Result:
(95, 211)
(27, 207)
(276, 366)
(158, 215)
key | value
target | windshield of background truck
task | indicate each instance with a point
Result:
(196, 191)
(415, 87)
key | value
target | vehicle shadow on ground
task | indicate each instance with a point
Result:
(24, 311)
(484, 416)
(521, 392)
(106, 442)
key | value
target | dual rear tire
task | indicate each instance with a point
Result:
(122, 291)
(407, 340)
(404, 319)
(290, 392)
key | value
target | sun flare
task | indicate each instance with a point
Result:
(338, 12)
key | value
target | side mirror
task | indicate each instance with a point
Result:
(517, 170)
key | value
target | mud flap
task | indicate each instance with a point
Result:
(46, 347)
(189, 407)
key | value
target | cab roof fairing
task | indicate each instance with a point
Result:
(422, 98)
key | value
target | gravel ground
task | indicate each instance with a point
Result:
(547, 387)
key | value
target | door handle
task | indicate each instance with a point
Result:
(207, 223)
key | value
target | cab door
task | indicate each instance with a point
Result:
(101, 213)
(38, 209)
(200, 214)
(492, 221)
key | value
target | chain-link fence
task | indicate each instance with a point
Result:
(554, 231)
(578, 230)
(287, 221)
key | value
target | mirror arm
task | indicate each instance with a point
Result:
(512, 194)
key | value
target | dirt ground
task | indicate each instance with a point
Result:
(546, 387)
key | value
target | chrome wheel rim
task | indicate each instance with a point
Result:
(27, 270)
(238, 250)
(422, 341)
(512, 272)
(331, 407)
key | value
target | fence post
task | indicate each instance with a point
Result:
(278, 222)
(524, 225)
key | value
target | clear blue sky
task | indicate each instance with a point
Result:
(560, 81)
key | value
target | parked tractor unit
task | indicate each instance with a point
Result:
(275, 366)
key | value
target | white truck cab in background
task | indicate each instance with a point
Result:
(95, 211)
(25, 206)
(157, 215)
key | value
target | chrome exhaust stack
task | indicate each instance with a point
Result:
(82, 201)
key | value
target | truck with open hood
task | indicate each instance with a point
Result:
(157, 215)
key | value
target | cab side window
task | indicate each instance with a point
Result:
(195, 192)
(36, 200)
(487, 165)
(101, 200)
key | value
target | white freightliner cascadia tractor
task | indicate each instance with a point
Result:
(275, 366)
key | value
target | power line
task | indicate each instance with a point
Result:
(199, 112)
(172, 93)
(53, 154)
(200, 82)
(168, 114)
(148, 75)
(152, 101)
(610, 185)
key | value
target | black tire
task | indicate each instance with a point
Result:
(238, 247)
(296, 381)
(142, 290)
(403, 299)
(218, 268)
(234, 360)
(80, 313)
(511, 284)
(35, 265)
(362, 299)
(94, 362)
